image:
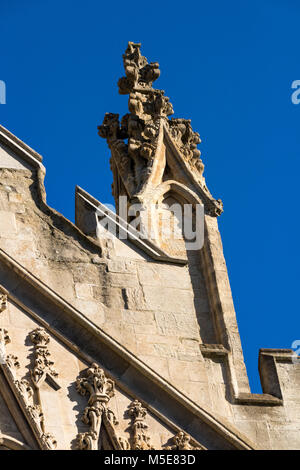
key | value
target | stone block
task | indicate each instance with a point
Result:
(83, 290)
(8, 226)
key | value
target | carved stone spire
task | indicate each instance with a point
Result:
(139, 74)
(158, 148)
(23, 391)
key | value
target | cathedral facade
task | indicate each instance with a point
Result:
(119, 332)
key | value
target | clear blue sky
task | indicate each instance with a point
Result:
(228, 66)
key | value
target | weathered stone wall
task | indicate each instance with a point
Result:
(162, 312)
(147, 306)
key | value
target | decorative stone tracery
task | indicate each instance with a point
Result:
(43, 366)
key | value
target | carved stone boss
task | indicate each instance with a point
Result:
(182, 441)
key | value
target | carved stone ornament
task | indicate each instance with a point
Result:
(182, 442)
(140, 438)
(24, 394)
(135, 139)
(99, 390)
(43, 366)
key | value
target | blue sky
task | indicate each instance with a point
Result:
(229, 67)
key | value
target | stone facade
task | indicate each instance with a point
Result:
(109, 343)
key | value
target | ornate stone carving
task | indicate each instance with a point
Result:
(86, 441)
(139, 74)
(132, 162)
(100, 390)
(141, 126)
(187, 140)
(182, 442)
(23, 391)
(43, 366)
(3, 302)
(140, 438)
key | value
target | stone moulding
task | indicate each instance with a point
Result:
(11, 443)
(182, 441)
(43, 366)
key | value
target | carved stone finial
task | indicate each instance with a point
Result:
(43, 366)
(99, 390)
(140, 438)
(96, 385)
(137, 411)
(136, 141)
(139, 74)
(39, 337)
(147, 106)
